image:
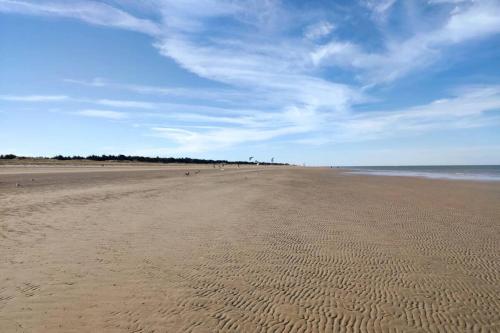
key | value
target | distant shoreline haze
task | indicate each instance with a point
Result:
(456, 172)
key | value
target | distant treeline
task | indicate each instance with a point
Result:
(125, 158)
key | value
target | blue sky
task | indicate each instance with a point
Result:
(319, 82)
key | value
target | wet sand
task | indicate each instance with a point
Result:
(147, 249)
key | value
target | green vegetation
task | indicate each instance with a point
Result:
(7, 157)
(125, 158)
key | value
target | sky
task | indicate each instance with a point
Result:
(346, 82)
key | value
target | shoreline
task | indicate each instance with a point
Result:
(439, 175)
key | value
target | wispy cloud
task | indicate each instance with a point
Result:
(88, 11)
(228, 95)
(467, 108)
(477, 19)
(64, 98)
(277, 71)
(107, 114)
(126, 104)
(379, 7)
(318, 30)
(33, 98)
(201, 141)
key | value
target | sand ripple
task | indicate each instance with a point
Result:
(280, 250)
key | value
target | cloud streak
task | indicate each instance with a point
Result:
(479, 19)
(469, 107)
(107, 114)
(126, 104)
(33, 98)
(88, 11)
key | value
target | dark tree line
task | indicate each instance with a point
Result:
(125, 158)
(7, 157)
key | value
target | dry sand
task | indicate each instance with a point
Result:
(246, 250)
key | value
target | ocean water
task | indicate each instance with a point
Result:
(458, 172)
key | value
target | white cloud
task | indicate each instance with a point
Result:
(187, 15)
(88, 11)
(33, 98)
(319, 30)
(126, 104)
(208, 94)
(266, 73)
(479, 19)
(467, 109)
(95, 82)
(379, 7)
(183, 21)
(448, 1)
(197, 133)
(115, 115)
(218, 138)
(64, 98)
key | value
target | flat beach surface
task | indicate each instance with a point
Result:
(261, 249)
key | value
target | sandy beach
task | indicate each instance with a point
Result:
(257, 249)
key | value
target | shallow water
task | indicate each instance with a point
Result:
(458, 172)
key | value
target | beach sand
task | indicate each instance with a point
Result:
(261, 249)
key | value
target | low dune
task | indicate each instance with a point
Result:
(255, 249)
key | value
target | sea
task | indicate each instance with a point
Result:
(457, 172)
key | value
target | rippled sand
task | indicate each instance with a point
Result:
(246, 250)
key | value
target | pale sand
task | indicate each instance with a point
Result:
(246, 250)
